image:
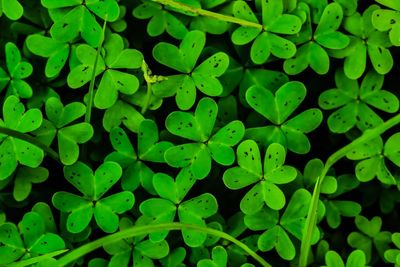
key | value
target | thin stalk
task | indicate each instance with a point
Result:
(37, 259)
(93, 78)
(140, 230)
(149, 81)
(206, 13)
(88, 114)
(29, 139)
(335, 157)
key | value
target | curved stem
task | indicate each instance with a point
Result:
(29, 139)
(202, 12)
(335, 157)
(140, 230)
(37, 259)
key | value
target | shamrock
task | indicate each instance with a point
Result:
(161, 20)
(365, 40)
(14, 150)
(250, 171)
(57, 52)
(292, 221)
(11, 8)
(68, 137)
(122, 112)
(372, 156)
(267, 40)
(93, 187)
(206, 146)
(392, 255)
(291, 133)
(219, 258)
(25, 177)
(143, 252)
(175, 258)
(112, 81)
(371, 235)
(261, 77)
(18, 70)
(386, 20)
(326, 36)
(355, 259)
(149, 149)
(184, 59)
(337, 208)
(36, 239)
(353, 101)
(193, 211)
(73, 18)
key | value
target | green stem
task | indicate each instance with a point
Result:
(335, 157)
(93, 78)
(88, 114)
(140, 230)
(37, 259)
(149, 80)
(206, 13)
(29, 139)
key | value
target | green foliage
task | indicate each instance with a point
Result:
(93, 186)
(240, 168)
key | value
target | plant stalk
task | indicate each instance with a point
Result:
(140, 230)
(206, 13)
(31, 140)
(311, 221)
(37, 259)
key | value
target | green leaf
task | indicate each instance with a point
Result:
(149, 148)
(184, 58)
(24, 179)
(279, 107)
(122, 113)
(59, 115)
(68, 139)
(194, 211)
(12, 9)
(13, 247)
(278, 238)
(219, 258)
(392, 149)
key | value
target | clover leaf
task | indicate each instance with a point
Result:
(267, 40)
(370, 236)
(198, 127)
(193, 211)
(266, 178)
(326, 36)
(143, 252)
(18, 70)
(355, 259)
(277, 229)
(93, 186)
(161, 20)
(184, 59)
(68, 136)
(219, 258)
(354, 101)
(386, 20)
(14, 150)
(73, 18)
(11, 8)
(290, 133)
(149, 149)
(392, 255)
(122, 113)
(175, 258)
(372, 161)
(365, 41)
(25, 177)
(57, 52)
(36, 239)
(113, 80)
